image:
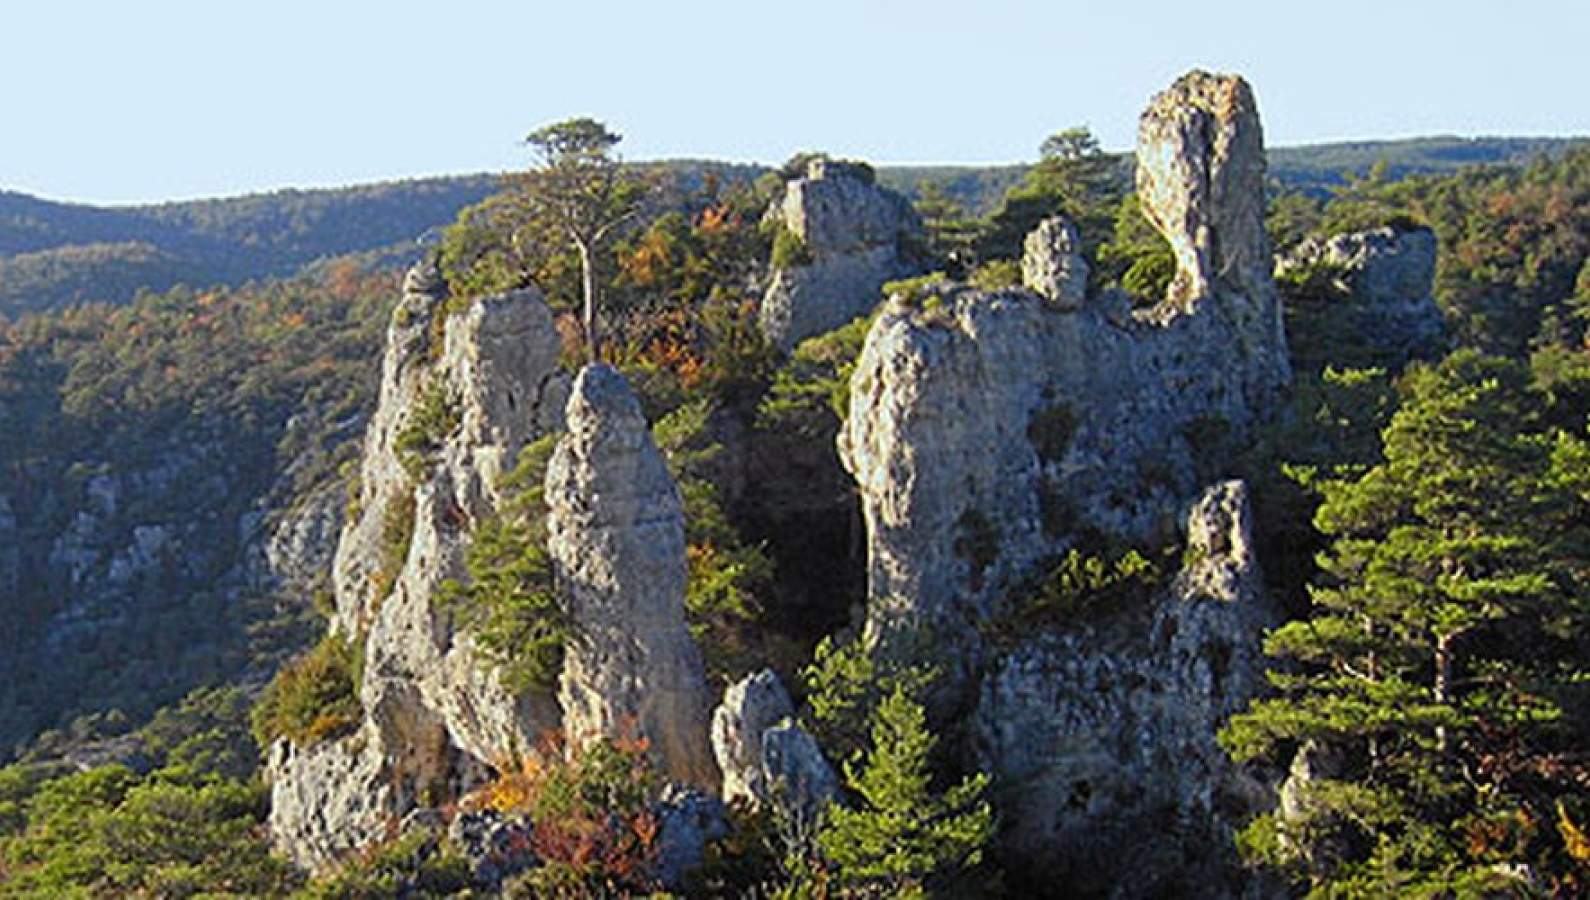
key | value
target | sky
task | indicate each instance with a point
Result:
(124, 102)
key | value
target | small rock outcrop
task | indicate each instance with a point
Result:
(616, 535)
(462, 392)
(1103, 732)
(1385, 279)
(845, 237)
(989, 429)
(750, 707)
(1052, 265)
(767, 759)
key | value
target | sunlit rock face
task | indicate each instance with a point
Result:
(616, 534)
(855, 236)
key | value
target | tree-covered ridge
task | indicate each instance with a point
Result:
(137, 445)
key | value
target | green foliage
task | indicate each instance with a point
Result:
(844, 682)
(509, 601)
(435, 416)
(183, 830)
(1137, 257)
(1441, 641)
(419, 864)
(789, 250)
(397, 535)
(951, 233)
(810, 394)
(996, 275)
(1075, 179)
(1081, 585)
(904, 838)
(314, 697)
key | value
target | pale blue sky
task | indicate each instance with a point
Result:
(115, 102)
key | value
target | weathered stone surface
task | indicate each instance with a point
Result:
(1052, 265)
(497, 846)
(986, 432)
(616, 536)
(329, 799)
(437, 716)
(797, 775)
(857, 236)
(750, 707)
(688, 819)
(1387, 277)
(1103, 733)
(1200, 178)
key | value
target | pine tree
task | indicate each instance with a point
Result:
(1430, 650)
(903, 835)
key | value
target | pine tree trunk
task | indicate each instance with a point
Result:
(1443, 683)
(588, 282)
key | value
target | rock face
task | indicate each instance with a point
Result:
(616, 535)
(1052, 265)
(1103, 734)
(855, 236)
(991, 431)
(988, 429)
(1387, 277)
(767, 759)
(436, 716)
(1200, 179)
(750, 707)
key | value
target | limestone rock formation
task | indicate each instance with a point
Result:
(616, 535)
(1386, 276)
(1104, 732)
(854, 236)
(750, 707)
(1052, 265)
(1200, 178)
(451, 420)
(766, 758)
(987, 430)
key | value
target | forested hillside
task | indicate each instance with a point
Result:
(58, 254)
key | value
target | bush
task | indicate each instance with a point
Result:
(996, 275)
(509, 601)
(313, 697)
(810, 394)
(789, 249)
(435, 416)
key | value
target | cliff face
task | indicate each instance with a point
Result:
(616, 533)
(990, 431)
(854, 236)
(986, 430)
(451, 420)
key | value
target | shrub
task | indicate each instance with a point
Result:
(435, 416)
(509, 601)
(903, 836)
(312, 697)
(419, 864)
(789, 249)
(1080, 584)
(996, 275)
(397, 534)
(845, 681)
(594, 830)
(810, 394)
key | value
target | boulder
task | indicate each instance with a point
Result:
(1052, 265)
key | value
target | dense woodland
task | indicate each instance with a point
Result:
(1426, 522)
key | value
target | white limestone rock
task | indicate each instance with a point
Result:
(616, 536)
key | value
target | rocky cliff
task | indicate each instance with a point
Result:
(838, 238)
(465, 388)
(1381, 287)
(462, 392)
(990, 431)
(617, 535)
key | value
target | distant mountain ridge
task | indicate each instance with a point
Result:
(54, 255)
